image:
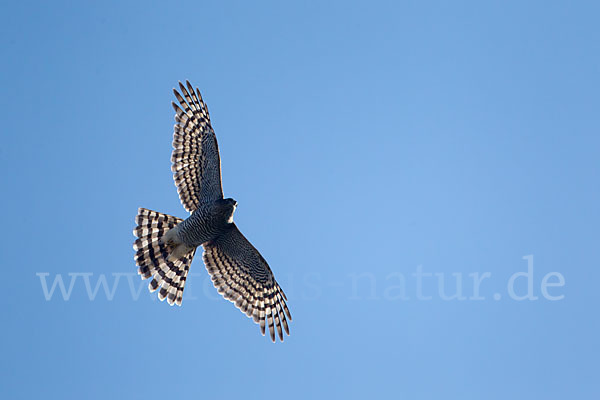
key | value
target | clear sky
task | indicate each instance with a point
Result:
(382, 154)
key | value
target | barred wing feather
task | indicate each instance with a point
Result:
(196, 163)
(242, 276)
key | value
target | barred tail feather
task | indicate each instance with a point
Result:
(168, 277)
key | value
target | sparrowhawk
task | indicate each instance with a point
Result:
(166, 245)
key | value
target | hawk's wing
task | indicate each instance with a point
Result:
(243, 277)
(196, 163)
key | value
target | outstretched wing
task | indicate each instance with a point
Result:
(196, 163)
(243, 277)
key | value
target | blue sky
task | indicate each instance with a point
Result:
(380, 152)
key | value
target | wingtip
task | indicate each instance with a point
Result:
(177, 95)
(286, 328)
(189, 86)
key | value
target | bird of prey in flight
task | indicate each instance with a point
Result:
(165, 245)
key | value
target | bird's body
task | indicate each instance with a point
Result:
(166, 245)
(209, 221)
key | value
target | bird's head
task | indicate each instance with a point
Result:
(227, 208)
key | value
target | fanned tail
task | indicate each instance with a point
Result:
(168, 277)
